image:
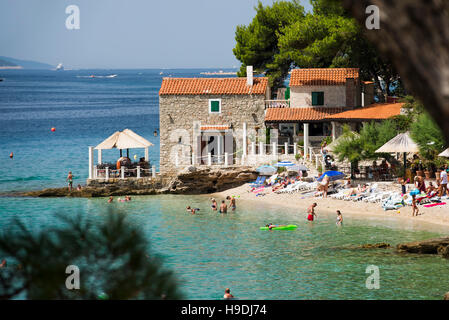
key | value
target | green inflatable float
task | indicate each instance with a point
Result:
(286, 227)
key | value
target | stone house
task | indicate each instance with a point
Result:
(200, 117)
(316, 94)
(206, 121)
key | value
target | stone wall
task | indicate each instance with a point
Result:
(181, 115)
(334, 96)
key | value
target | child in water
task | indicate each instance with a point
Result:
(339, 218)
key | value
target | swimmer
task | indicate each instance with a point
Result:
(127, 198)
(339, 218)
(271, 226)
(214, 204)
(111, 199)
(223, 207)
(228, 294)
(311, 212)
(231, 202)
(192, 210)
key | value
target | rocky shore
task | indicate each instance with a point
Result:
(188, 181)
(433, 246)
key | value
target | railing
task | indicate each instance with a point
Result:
(277, 104)
(123, 173)
(315, 158)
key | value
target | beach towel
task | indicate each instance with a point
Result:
(434, 204)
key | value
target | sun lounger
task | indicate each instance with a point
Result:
(257, 184)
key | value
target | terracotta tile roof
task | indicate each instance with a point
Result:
(377, 111)
(322, 76)
(195, 86)
(214, 127)
(299, 114)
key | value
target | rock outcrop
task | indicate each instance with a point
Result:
(189, 181)
(433, 246)
(197, 181)
(381, 245)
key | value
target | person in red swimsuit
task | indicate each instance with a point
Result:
(311, 212)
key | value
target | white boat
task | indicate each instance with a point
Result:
(59, 67)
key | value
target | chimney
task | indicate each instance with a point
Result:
(249, 75)
(350, 93)
(368, 93)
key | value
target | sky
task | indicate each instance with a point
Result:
(126, 34)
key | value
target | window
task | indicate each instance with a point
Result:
(214, 105)
(317, 98)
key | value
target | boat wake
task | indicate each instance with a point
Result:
(95, 76)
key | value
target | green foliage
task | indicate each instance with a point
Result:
(113, 258)
(257, 43)
(349, 147)
(428, 136)
(327, 140)
(355, 148)
(328, 37)
(281, 169)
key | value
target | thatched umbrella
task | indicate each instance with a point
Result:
(445, 153)
(401, 143)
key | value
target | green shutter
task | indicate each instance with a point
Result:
(317, 98)
(287, 93)
(314, 98)
(215, 106)
(320, 98)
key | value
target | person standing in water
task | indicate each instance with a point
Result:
(69, 179)
(223, 207)
(214, 204)
(311, 212)
(231, 202)
(228, 294)
(111, 199)
(339, 218)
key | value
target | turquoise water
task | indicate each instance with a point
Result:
(209, 252)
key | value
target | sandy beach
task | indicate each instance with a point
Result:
(438, 215)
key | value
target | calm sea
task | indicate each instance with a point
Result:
(208, 252)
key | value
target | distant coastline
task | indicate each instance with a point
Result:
(218, 73)
(10, 67)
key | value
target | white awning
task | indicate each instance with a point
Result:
(126, 139)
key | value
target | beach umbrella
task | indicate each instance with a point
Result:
(333, 175)
(445, 153)
(401, 143)
(284, 164)
(266, 170)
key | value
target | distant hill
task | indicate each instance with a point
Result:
(25, 64)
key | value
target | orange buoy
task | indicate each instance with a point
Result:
(11, 155)
(53, 129)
